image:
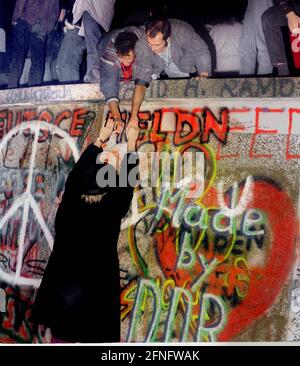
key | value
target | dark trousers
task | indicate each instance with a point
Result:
(70, 56)
(4, 63)
(26, 37)
(272, 21)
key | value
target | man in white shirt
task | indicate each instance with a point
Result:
(170, 46)
(254, 52)
(226, 36)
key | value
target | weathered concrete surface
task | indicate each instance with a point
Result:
(198, 270)
(210, 88)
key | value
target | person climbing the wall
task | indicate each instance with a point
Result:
(79, 297)
(169, 46)
(116, 64)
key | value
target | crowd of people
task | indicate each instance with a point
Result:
(83, 41)
(73, 41)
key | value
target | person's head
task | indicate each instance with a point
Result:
(124, 45)
(158, 31)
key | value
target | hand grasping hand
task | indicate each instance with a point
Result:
(132, 133)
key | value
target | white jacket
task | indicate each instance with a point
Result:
(226, 38)
(101, 10)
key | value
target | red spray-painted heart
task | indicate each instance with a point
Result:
(267, 280)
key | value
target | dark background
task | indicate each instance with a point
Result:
(195, 11)
(190, 10)
(6, 10)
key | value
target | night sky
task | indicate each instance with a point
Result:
(202, 10)
(6, 9)
(191, 10)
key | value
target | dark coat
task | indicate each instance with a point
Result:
(79, 297)
(286, 5)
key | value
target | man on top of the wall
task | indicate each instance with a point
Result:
(85, 27)
(117, 65)
(32, 20)
(169, 46)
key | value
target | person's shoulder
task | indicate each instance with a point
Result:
(96, 2)
(179, 23)
(238, 25)
(141, 43)
(138, 30)
(109, 55)
(180, 28)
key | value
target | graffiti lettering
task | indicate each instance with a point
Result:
(210, 306)
(77, 118)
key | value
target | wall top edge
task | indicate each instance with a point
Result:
(210, 88)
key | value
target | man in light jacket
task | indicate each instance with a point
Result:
(169, 46)
(117, 63)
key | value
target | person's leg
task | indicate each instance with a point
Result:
(2, 40)
(37, 49)
(5, 60)
(272, 21)
(53, 43)
(4, 64)
(93, 33)
(53, 70)
(248, 50)
(4, 67)
(263, 58)
(70, 57)
(19, 49)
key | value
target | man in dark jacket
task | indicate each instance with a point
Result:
(283, 13)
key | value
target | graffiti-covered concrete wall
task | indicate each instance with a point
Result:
(209, 256)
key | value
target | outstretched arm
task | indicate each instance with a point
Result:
(86, 168)
(105, 133)
(137, 100)
(128, 177)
